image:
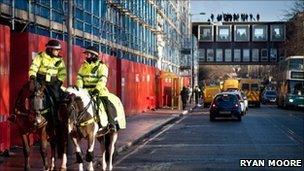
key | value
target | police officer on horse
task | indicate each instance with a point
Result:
(48, 69)
(93, 75)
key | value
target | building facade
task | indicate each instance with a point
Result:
(250, 43)
(140, 41)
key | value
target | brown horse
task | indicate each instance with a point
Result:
(82, 124)
(30, 112)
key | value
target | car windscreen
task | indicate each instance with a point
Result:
(254, 87)
(226, 98)
(271, 93)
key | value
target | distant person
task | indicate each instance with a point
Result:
(197, 94)
(212, 17)
(258, 17)
(184, 95)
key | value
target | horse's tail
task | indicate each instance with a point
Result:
(107, 146)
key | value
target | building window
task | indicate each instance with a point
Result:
(246, 55)
(201, 55)
(206, 33)
(210, 55)
(223, 33)
(255, 55)
(241, 33)
(259, 33)
(219, 55)
(228, 55)
(273, 54)
(277, 32)
(264, 55)
(237, 55)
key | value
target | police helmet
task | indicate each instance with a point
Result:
(92, 49)
(53, 44)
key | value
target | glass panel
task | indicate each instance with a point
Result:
(201, 54)
(245, 87)
(264, 55)
(273, 54)
(296, 64)
(277, 32)
(219, 55)
(241, 33)
(237, 55)
(205, 33)
(246, 55)
(296, 87)
(210, 55)
(223, 33)
(228, 55)
(259, 33)
(254, 87)
(255, 55)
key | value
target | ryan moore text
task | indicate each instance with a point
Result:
(271, 163)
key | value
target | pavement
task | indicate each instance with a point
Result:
(139, 127)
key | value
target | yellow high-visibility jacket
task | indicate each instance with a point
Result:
(93, 76)
(48, 66)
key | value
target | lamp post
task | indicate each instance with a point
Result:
(192, 49)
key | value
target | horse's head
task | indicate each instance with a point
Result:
(39, 104)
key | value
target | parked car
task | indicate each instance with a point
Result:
(269, 96)
(225, 104)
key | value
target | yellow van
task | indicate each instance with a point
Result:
(209, 93)
(231, 84)
(251, 88)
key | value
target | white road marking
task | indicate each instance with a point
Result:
(151, 139)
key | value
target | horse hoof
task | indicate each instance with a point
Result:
(52, 168)
(27, 168)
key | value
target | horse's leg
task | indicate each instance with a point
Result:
(53, 153)
(78, 154)
(90, 154)
(26, 152)
(113, 139)
(43, 147)
(103, 152)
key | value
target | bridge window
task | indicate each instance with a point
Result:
(255, 55)
(259, 33)
(241, 33)
(206, 33)
(277, 32)
(223, 33)
(246, 55)
(237, 55)
(219, 55)
(201, 55)
(273, 54)
(228, 55)
(296, 64)
(210, 55)
(264, 55)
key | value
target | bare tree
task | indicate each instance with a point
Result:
(298, 7)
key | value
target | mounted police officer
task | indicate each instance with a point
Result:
(48, 68)
(93, 75)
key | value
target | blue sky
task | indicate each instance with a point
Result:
(270, 10)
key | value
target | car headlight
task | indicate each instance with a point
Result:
(290, 100)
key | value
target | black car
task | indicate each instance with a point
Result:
(225, 104)
(269, 96)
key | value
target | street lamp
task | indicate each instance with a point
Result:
(192, 48)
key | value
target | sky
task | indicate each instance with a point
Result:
(269, 10)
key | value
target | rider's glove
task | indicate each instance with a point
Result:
(33, 78)
(95, 92)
